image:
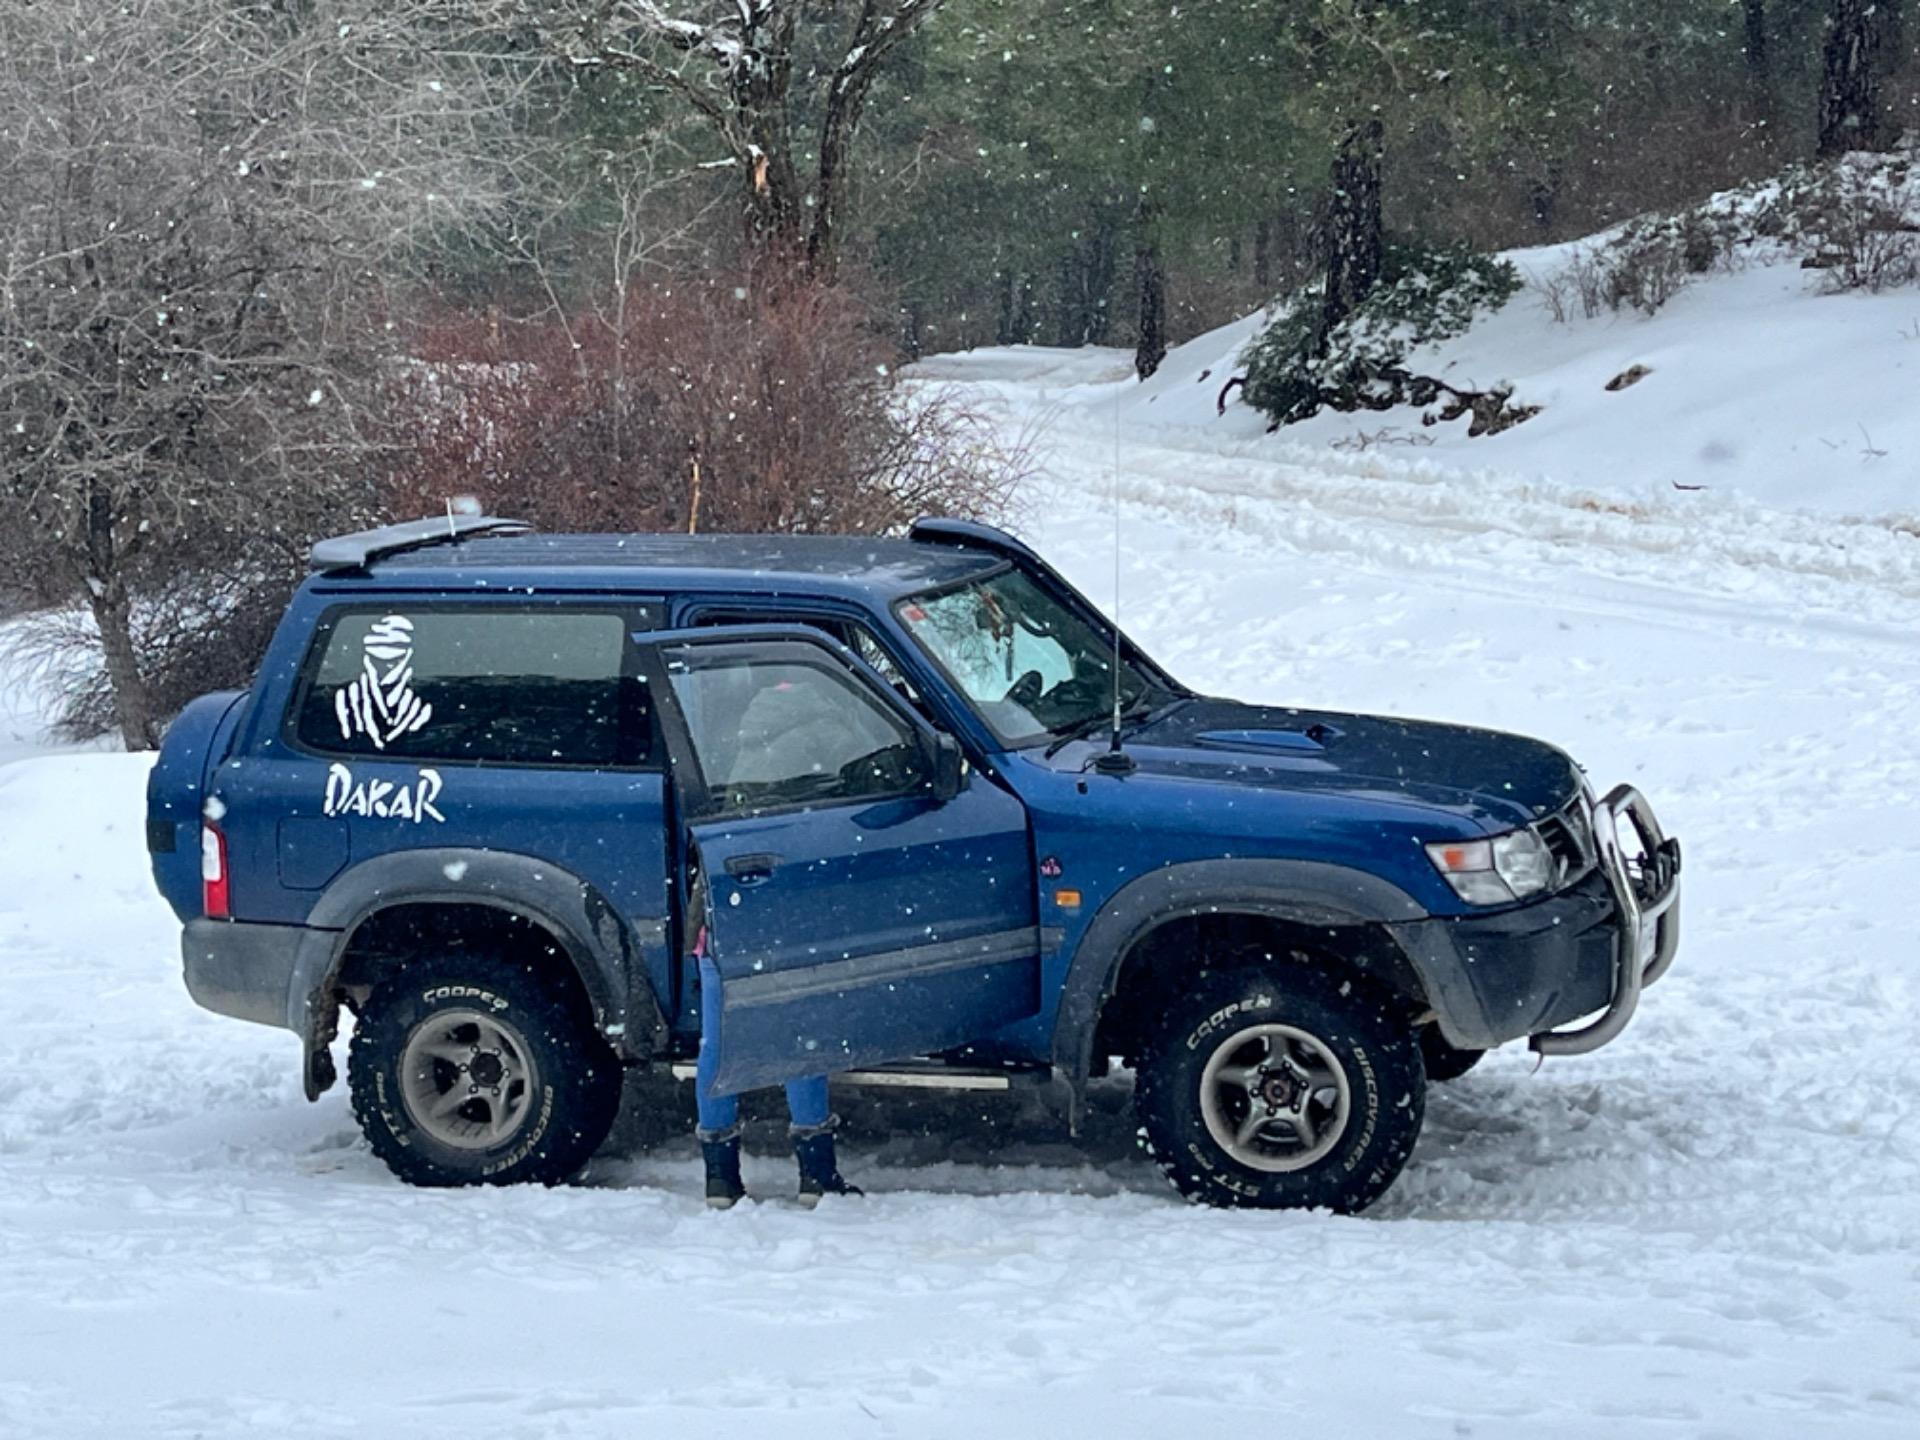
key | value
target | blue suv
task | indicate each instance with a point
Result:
(940, 823)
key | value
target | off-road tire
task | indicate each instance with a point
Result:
(1443, 1061)
(1361, 1028)
(568, 1108)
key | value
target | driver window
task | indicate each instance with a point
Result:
(776, 733)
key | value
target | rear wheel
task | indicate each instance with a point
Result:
(477, 1069)
(1291, 1090)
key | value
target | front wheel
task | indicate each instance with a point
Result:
(1281, 1090)
(480, 1070)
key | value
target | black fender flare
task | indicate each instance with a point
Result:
(605, 952)
(1305, 892)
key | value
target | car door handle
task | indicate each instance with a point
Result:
(752, 869)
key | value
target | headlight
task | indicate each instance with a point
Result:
(1498, 871)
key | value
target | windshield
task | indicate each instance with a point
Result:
(1030, 665)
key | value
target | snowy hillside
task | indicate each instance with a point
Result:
(1758, 384)
(1710, 1228)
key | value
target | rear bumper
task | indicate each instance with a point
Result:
(1588, 951)
(241, 970)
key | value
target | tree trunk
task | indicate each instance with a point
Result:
(1070, 328)
(1850, 79)
(836, 144)
(1356, 236)
(1150, 286)
(1544, 193)
(1098, 275)
(1759, 55)
(1023, 321)
(1263, 256)
(132, 707)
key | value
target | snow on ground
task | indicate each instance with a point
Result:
(1760, 386)
(1710, 1229)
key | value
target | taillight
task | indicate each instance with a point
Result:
(216, 897)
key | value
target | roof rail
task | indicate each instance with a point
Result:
(361, 549)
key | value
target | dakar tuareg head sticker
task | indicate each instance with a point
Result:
(381, 704)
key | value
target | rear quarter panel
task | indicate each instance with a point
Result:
(195, 742)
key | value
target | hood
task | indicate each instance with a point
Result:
(1495, 779)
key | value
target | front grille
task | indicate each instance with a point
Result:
(1569, 836)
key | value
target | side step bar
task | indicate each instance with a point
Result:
(916, 1077)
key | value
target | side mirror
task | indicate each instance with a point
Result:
(949, 767)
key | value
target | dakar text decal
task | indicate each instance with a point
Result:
(383, 799)
(381, 703)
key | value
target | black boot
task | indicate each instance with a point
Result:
(721, 1151)
(819, 1173)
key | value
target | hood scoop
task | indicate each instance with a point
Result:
(1310, 740)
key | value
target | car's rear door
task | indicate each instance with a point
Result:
(861, 909)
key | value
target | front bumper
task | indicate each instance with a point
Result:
(1587, 951)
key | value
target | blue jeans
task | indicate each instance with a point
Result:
(806, 1099)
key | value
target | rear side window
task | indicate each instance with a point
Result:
(477, 686)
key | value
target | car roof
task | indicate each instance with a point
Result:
(870, 569)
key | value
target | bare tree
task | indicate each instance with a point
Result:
(202, 200)
(732, 63)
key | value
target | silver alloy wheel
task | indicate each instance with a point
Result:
(1275, 1098)
(467, 1079)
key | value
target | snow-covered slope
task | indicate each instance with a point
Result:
(1760, 386)
(1710, 1229)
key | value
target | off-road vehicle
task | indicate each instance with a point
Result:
(943, 826)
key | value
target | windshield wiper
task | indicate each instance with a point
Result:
(1085, 729)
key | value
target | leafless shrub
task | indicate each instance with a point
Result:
(1647, 268)
(1587, 280)
(1857, 223)
(707, 406)
(1645, 264)
(1556, 293)
(1360, 442)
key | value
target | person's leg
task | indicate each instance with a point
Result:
(812, 1132)
(807, 1102)
(719, 1130)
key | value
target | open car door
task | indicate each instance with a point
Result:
(868, 898)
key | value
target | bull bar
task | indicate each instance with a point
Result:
(1647, 900)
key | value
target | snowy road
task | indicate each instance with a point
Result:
(1711, 1229)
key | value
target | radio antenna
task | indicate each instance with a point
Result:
(1116, 761)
